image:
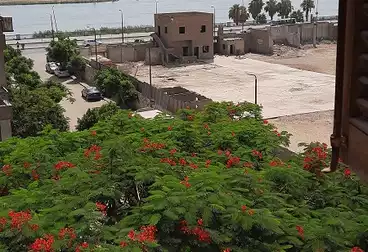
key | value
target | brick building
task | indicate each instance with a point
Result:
(184, 36)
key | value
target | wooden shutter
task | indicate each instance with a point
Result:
(352, 72)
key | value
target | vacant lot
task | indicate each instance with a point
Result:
(282, 90)
(321, 59)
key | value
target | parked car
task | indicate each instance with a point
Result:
(62, 73)
(51, 67)
(92, 42)
(91, 94)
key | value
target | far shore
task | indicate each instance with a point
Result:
(34, 2)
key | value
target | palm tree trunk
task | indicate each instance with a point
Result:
(307, 15)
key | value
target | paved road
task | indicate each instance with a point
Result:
(73, 110)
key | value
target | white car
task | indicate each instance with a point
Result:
(62, 73)
(92, 42)
(51, 67)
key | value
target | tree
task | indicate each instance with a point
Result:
(255, 8)
(114, 84)
(238, 14)
(284, 8)
(76, 66)
(201, 181)
(307, 6)
(62, 50)
(271, 8)
(298, 15)
(92, 116)
(261, 19)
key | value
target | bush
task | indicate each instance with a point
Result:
(202, 181)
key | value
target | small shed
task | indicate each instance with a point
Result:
(232, 46)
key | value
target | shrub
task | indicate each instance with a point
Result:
(202, 181)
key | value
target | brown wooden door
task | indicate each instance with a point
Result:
(352, 74)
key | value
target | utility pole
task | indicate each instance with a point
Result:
(214, 20)
(150, 76)
(156, 6)
(97, 64)
(122, 26)
(53, 12)
(315, 27)
(52, 28)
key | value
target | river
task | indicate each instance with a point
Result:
(30, 18)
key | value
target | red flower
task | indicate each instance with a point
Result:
(173, 151)
(227, 153)
(63, 164)
(208, 163)
(101, 207)
(356, 249)
(26, 165)
(347, 173)
(248, 164)
(201, 234)
(300, 230)
(250, 212)
(35, 175)
(219, 152)
(169, 128)
(257, 154)
(274, 163)
(232, 161)
(185, 182)
(67, 232)
(93, 133)
(84, 245)
(244, 208)
(190, 118)
(3, 222)
(131, 234)
(147, 234)
(123, 244)
(43, 244)
(194, 154)
(7, 170)
(194, 166)
(182, 162)
(200, 222)
(206, 126)
(265, 122)
(233, 133)
(227, 250)
(34, 227)
(18, 219)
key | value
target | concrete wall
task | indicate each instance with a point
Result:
(193, 37)
(260, 41)
(156, 56)
(127, 52)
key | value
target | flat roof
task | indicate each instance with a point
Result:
(184, 13)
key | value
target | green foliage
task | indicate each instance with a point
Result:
(76, 65)
(92, 116)
(271, 8)
(238, 14)
(62, 50)
(201, 181)
(35, 103)
(307, 6)
(116, 85)
(298, 15)
(261, 19)
(255, 8)
(284, 8)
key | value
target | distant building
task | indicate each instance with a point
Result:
(184, 36)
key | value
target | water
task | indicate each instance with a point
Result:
(30, 18)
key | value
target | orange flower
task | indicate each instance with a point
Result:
(250, 212)
(93, 133)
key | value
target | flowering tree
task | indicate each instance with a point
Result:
(202, 181)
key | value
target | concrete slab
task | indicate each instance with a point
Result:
(281, 90)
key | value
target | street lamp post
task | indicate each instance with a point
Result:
(214, 20)
(255, 87)
(122, 26)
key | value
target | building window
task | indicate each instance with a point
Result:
(165, 29)
(223, 46)
(203, 28)
(206, 49)
(185, 51)
(159, 31)
(182, 30)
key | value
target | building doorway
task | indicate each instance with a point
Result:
(196, 52)
(185, 51)
(232, 51)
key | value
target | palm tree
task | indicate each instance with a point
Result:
(284, 8)
(271, 8)
(307, 6)
(255, 8)
(238, 14)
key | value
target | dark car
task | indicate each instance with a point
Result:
(91, 94)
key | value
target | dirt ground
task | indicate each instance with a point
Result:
(321, 59)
